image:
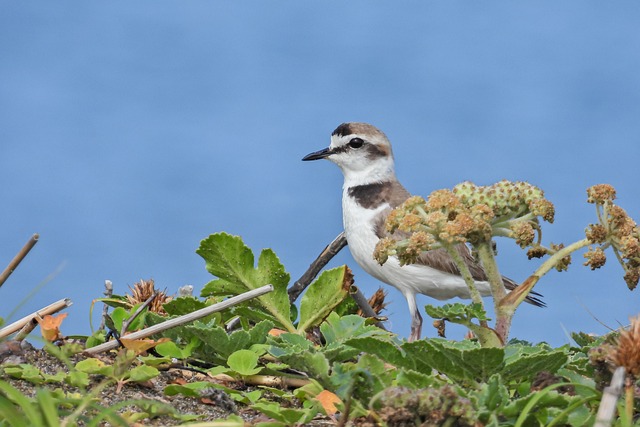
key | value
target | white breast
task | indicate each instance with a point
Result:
(409, 279)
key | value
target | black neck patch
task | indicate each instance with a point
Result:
(371, 196)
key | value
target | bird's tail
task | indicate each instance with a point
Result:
(533, 298)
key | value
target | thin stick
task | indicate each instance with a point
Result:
(127, 323)
(50, 309)
(325, 256)
(18, 258)
(363, 304)
(266, 380)
(171, 323)
(610, 396)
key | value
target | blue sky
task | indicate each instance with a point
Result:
(129, 131)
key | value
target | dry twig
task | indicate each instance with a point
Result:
(50, 309)
(325, 256)
(18, 258)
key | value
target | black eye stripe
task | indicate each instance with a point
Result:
(356, 143)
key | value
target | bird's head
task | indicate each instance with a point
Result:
(362, 152)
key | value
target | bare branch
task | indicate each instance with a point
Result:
(18, 258)
(325, 256)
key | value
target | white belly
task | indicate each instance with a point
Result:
(409, 279)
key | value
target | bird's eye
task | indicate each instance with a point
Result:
(356, 143)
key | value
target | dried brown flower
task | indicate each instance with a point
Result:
(596, 258)
(596, 233)
(523, 232)
(627, 349)
(601, 193)
(536, 252)
(143, 290)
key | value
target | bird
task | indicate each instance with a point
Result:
(370, 192)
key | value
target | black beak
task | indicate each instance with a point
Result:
(317, 155)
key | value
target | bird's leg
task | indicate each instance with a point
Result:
(416, 318)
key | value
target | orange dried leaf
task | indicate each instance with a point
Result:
(141, 345)
(50, 326)
(276, 332)
(328, 401)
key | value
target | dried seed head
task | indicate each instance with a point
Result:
(601, 193)
(596, 233)
(143, 290)
(596, 258)
(523, 233)
(627, 349)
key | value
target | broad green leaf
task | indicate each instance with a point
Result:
(142, 373)
(288, 416)
(388, 351)
(170, 349)
(78, 379)
(183, 305)
(94, 366)
(324, 295)
(190, 389)
(454, 360)
(457, 312)
(244, 362)
(25, 372)
(216, 341)
(313, 363)
(340, 329)
(524, 362)
(228, 258)
(416, 380)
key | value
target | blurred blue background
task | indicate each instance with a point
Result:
(129, 131)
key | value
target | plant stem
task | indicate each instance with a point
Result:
(466, 274)
(518, 295)
(504, 315)
(485, 253)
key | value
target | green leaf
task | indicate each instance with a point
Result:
(189, 390)
(25, 372)
(457, 312)
(388, 351)
(48, 407)
(493, 395)
(288, 416)
(94, 366)
(17, 397)
(315, 364)
(228, 258)
(459, 361)
(340, 329)
(244, 362)
(142, 373)
(216, 341)
(78, 379)
(416, 380)
(524, 362)
(324, 295)
(183, 305)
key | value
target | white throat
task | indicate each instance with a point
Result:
(382, 170)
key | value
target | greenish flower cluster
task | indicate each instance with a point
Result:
(428, 406)
(615, 229)
(468, 213)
